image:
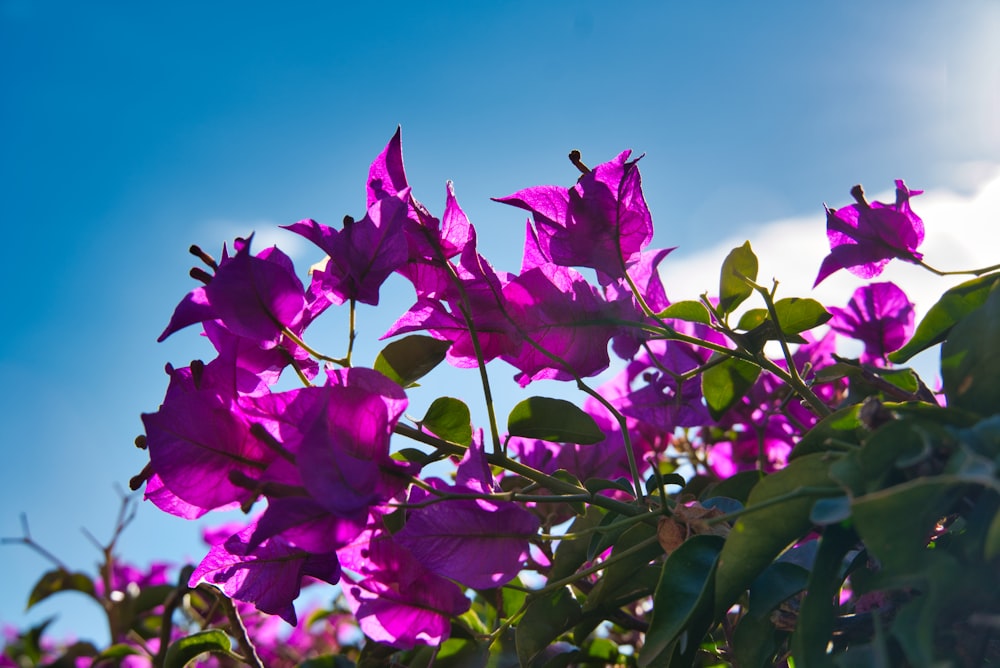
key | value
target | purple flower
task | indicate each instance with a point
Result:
(865, 236)
(397, 600)
(476, 542)
(880, 316)
(197, 442)
(601, 222)
(255, 297)
(269, 575)
(363, 254)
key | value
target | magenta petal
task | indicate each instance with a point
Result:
(269, 576)
(193, 308)
(386, 177)
(397, 600)
(879, 315)
(196, 442)
(256, 298)
(478, 543)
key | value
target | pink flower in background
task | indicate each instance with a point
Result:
(880, 316)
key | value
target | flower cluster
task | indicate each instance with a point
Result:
(345, 503)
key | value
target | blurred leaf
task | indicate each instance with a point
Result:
(683, 593)
(59, 580)
(555, 420)
(954, 305)
(992, 547)
(545, 619)
(733, 290)
(760, 536)
(183, 651)
(970, 359)
(726, 383)
(449, 418)
(411, 358)
(796, 314)
(117, 651)
(327, 661)
(691, 311)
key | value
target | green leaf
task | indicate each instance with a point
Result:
(182, 651)
(595, 485)
(954, 305)
(545, 619)
(816, 614)
(691, 311)
(798, 315)
(683, 594)
(117, 651)
(895, 522)
(733, 290)
(991, 548)
(619, 578)
(837, 432)
(449, 418)
(565, 476)
(726, 383)
(411, 358)
(761, 535)
(755, 642)
(59, 580)
(830, 511)
(970, 359)
(779, 582)
(752, 319)
(736, 487)
(554, 420)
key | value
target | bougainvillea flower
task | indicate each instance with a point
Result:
(748, 450)
(197, 441)
(601, 222)
(477, 542)
(661, 399)
(256, 297)
(880, 316)
(269, 575)
(397, 600)
(361, 255)
(481, 296)
(865, 236)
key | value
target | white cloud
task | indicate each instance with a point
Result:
(962, 232)
(265, 233)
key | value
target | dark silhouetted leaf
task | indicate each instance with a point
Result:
(554, 420)
(411, 358)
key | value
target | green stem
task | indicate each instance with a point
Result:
(970, 272)
(302, 344)
(353, 332)
(548, 482)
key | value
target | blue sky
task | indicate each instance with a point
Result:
(131, 130)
